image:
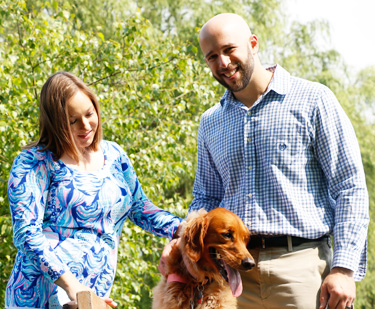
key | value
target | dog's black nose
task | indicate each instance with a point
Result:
(247, 263)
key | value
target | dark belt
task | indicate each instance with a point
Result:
(258, 241)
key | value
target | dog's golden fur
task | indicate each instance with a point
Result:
(203, 237)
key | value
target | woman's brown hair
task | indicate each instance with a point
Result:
(54, 126)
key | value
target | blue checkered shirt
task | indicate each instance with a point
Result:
(289, 165)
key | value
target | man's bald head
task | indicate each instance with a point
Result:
(225, 23)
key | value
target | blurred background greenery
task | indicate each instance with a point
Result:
(143, 61)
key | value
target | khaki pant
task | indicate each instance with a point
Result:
(283, 279)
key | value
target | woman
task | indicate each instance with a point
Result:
(70, 193)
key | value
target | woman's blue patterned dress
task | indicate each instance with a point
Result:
(66, 219)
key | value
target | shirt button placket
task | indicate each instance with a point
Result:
(249, 156)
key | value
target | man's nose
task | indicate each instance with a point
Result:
(224, 61)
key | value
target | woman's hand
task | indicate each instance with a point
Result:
(71, 285)
(109, 301)
(165, 255)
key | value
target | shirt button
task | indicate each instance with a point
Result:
(250, 168)
(250, 195)
(249, 139)
(282, 146)
(249, 113)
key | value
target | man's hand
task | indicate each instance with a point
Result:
(338, 289)
(164, 256)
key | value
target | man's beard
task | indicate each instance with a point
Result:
(246, 71)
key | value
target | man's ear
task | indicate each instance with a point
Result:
(253, 40)
(194, 235)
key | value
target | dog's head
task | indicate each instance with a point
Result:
(214, 244)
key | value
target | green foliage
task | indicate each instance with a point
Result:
(362, 95)
(151, 104)
(153, 87)
(182, 19)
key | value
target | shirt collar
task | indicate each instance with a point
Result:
(280, 84)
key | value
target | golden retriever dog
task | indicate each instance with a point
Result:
(202, 268)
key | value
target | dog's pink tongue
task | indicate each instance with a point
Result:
(234, 279)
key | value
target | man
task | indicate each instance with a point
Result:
(280, 152)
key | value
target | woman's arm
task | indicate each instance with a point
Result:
(144, 213)
(28, 187)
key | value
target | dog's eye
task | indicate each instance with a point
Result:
(227, 235)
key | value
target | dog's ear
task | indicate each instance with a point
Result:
(194, 234)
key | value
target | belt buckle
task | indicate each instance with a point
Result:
(263, 243)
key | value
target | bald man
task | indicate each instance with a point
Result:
(280, 152)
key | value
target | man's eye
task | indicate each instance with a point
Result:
(227, 235)
(228, 50)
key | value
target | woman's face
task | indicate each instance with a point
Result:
(83, 120)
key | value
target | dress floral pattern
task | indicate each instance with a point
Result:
(66, 219)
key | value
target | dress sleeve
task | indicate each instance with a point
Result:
(208, 188)
(143, 212)
(338, 151)
(27, 192)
